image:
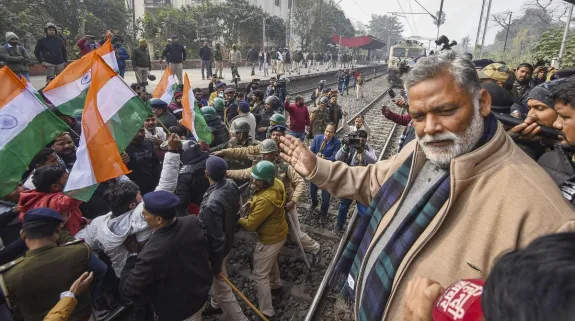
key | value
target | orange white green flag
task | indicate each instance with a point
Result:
(26, 126)
(68, 90)
(192, 117)
(167, 87)
(111, 117)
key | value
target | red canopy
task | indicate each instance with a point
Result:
(365, 42)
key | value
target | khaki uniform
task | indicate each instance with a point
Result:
(321, 117)
(232, 145)
(33, 283)
(295, 189)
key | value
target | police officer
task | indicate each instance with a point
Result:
(160, 109)
(175, 281)
(35, 282)
(335, 109)
(241, 139)
(217, 127)
(320, 118)
(219, 106)
(218, 213)
(267, 219)
(272, 105)
(295, 189)
(249, 152)
(277, 119)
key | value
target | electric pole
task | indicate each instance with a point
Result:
(439, 18)
(482, 29)
(565, 33)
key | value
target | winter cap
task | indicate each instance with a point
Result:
(461, 301)
(495, 71)
(161, 203)
(229, 91)
(174, 36)
(216, 167)
(543, 94)
(142, 42)
(178, 94)
(244, 106)
(10, 35)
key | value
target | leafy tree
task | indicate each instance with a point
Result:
(275, 30)
(549, 45)
(305, 14)
(360, 29)
(385, 27)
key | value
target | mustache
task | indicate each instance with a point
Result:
(429, 139)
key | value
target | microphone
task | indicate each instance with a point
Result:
(461, 301)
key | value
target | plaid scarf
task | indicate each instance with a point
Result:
(378, 282)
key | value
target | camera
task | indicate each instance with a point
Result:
(282, 82)
(444, 42)
(354, 140)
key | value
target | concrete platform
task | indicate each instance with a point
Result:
(195, 76)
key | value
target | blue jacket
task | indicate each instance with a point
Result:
(122, 56)
(330, 149)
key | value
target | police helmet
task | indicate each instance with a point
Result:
(324, 100)
(268, 146)
(219, 104)
(209, 113)
(241, 126)
(264, 171)
(278, 119)
(272, 100)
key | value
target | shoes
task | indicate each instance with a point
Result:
(337, 229)
(210, 310)
(100, 315)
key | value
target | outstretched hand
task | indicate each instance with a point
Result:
(294, 152)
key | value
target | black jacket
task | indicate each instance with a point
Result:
(141, 58)
(145, 166)
(264, 121)
(192, 181)
(220, 132)
(51, 49)
(558, 165)
(172, 271)
(218, 213)
(206, 54)
(175, 53)
(232, 110)
(253, 55)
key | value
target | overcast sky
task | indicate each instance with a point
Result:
(462, 16)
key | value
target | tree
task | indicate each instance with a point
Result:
(305, 14)
(276, 30)
(549, 45)
(439, 20)
(385, 27)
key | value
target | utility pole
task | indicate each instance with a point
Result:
(565, 33)
(482, 28)
(264, 35)
(439, 18)
(507, 33)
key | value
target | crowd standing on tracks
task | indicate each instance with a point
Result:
(478, 202)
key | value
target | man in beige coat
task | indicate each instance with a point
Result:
(495, 198)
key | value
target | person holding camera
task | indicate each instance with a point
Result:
(354, 152)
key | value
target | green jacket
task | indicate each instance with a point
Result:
(16, 58)
(141, 58)
(267, 216)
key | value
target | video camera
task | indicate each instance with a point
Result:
(282, 82)
(354, 139)
(444, 42)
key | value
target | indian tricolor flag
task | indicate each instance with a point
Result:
(26, 126)
(111, 117)
(68, 90)
(167, 87)
(192, 118)
(32, 89)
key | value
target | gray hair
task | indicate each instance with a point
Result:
(446, 62)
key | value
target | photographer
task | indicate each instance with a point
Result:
(354, 152)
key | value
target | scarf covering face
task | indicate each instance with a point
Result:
(380, 278)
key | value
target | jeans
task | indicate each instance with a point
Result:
(344, 208)
(99, 268)
(261, 64)
(324, 198)
(206, 65)
(301, 135)
(122, 72)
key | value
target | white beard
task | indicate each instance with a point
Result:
(461, 143)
